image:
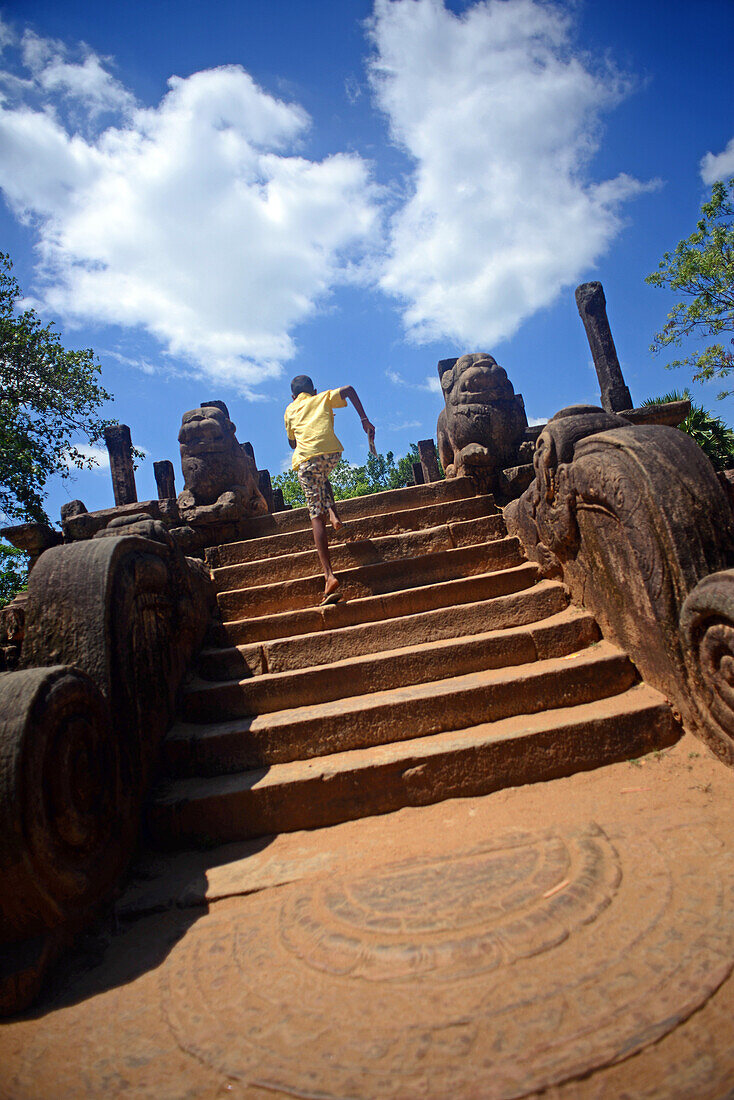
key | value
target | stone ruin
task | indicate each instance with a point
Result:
(483, 428)
(483, 431)
(623, 508)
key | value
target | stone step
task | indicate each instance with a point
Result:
(371, 527)
(568, 631)
(305, 563)
(398, 714)
(329, 645)
(372, 580)
(522, 748)
(370, 609)
(392, 500)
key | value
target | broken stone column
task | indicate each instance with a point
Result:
(265, 486)
(592, 307)
(429, 460)
(165, 479)
(120, 448)
(250, 451)
(278, 502)
(418, 477)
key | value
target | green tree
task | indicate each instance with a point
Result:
(702, 269)
(379, 473)
(713, 436)
(49, 397)
(13, 572)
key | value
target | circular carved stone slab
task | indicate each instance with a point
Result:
(495, 972)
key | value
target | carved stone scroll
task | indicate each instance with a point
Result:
(111, 625)
(636, 523)
(129, 612)
(64, 817)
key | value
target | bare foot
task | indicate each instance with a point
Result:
(331, 586)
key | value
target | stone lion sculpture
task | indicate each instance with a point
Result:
(220, 484)
(483, 424)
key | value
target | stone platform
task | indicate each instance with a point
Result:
(573, 938)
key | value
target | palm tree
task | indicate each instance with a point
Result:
(713, 436)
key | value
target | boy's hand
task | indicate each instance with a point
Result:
(369, 428)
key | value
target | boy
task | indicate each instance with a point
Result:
(309, 422)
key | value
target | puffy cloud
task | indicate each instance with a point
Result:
(718, 166)
(86, 82)
(500, 119)
(195, 219)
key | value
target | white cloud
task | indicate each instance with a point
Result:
(87, 82)
(404, 426)
(98, 455)
(195, 219)
(501, 120)
(431, 383)
(718, 166)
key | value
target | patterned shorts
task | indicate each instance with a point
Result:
(313, 475)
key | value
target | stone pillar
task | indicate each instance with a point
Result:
(250, 451)
(278, 502)
(592, 306)
(429, 460)
(418, 477)
(119, 446)
(265, 486)
(164, 479)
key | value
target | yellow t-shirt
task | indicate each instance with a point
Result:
(310, 421)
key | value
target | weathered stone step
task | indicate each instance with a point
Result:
(569, 630)
(305, 563)
(399, 714)
(524, 748)
(392, 500)
(370, 527)
(372, 580)
(325, 646)
(371, 609)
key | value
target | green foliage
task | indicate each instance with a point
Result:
(702, 269)
(48, 397)
(13, 572)
(379, 473)
(713, 436)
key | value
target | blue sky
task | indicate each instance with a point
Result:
(216, 197)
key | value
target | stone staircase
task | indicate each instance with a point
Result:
(451, 670)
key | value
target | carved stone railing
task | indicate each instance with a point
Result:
(111, 625)
(636, 523)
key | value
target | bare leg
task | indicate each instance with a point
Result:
(318, 524)
(336, 523)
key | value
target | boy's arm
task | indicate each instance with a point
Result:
(292, 443)
(350, 394)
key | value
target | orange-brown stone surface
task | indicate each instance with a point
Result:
(573, 939)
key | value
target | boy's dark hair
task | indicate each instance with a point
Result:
(302, 384)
